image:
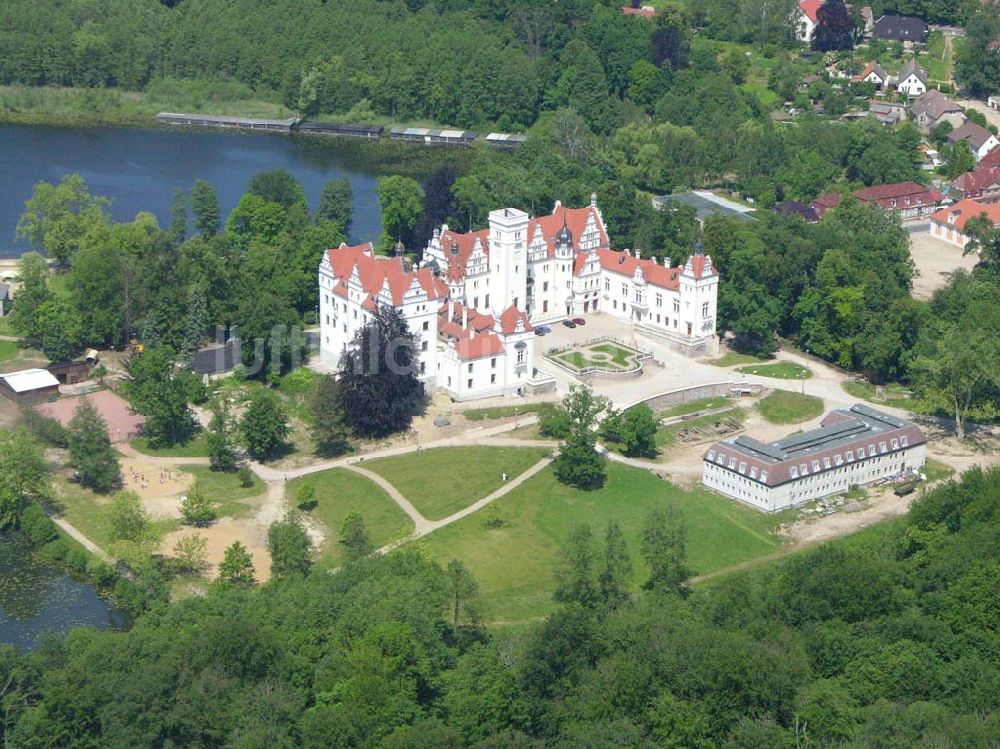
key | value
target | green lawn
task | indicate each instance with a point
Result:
(780, 370)
(8, 350)
(5, 326)
(224, 489)
(866, 391)
(445, 480)
(937, 58)
(513, 564)
(197, 447)
(621, 356)
(935, 470)
(733, 358)
(702, 404)
(786, 407)
(339, 492)
(501, 412)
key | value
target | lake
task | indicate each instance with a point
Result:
(138, 169)
(37, 598)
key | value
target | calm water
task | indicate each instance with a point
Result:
(36, 598)
(139, 169)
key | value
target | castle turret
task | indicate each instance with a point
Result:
(508, 259)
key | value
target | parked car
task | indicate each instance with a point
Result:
(543, 330)
(579, 321)
(569, 323)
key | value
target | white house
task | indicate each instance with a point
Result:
(873, 73)
(948, 223)
(912, 79)
(806, 19)
(475, 299)
(980, 140)
(852, 447)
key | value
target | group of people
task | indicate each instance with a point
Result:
(140, 480)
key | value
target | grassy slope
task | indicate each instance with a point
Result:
(501, 412)
(442, 481)
(8, 350)
(786, 407)
(339, 492)
(513, 564)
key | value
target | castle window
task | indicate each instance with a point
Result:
(659, 300)
(677, 305)
(794, 472)
(427, 325)
(904, 441)
(470, 384)
(493, 379)
(493, 363)
(704, 309)
(607, 284)
(423, 346)
(895, 444)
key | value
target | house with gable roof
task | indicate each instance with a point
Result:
(806, 19)
(979, 140)
(872, 73)
(912, 79)
(932, 108)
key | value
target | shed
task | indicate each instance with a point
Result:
(29, 385)
(70, 372)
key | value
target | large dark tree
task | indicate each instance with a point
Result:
(834, 27)
(380, 391)
(90, 451)
(438, 205)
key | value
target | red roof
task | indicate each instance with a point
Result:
(451, 324)
(811, 8)
(509, 318)
(956, 215)
(576, 221)
(899, 195)
(622, 261)
(488, 344)
(825, 202)
(985, 175)
(375, 272)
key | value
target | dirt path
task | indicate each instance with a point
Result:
(421, 524)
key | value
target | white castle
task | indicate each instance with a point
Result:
(475, 299)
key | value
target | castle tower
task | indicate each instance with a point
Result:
(508, 259)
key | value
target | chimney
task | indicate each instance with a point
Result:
(628, 252)
(666, 261)
(638, 254)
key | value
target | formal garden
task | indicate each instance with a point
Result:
(601, 356)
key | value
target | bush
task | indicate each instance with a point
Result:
(56, 551)
(77, 559)
(44, 428)
(245, 475)
(37, 526)
(100, 572)
(196, 508)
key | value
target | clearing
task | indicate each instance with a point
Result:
(196, 447)
(935, 260)
(340, 492)
(513, 564)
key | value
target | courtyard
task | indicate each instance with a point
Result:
(599, 355)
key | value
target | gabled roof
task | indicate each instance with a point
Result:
(901, 28)
(509, 319)
(622, 261)
(646, 11)
(377, 273)
(872, 67)
(910, 67)
(958, 214)
(910, 193)
(983, 176)
(976, 135)
(795, 208)
(28, 380)
(810, 8)
(825, 202)
(934, 104)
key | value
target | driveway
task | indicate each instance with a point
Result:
(935, 260)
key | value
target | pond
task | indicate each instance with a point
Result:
(139, 168)
(37, 598)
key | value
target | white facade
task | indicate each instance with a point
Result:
(912, 85)
(474, 301)
(854, 447)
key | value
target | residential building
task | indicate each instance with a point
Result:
(912, 79)
(887, 112)
(857, 446)
(980, 140)
(901, 29)
(826, 202)
(932, 108)
(29, 386)
(873, 73)
(912, 200)
(806, 19)
(795, 208)
(981, 184)
(948, 223)
(869, 18)
(476, 297)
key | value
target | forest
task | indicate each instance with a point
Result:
(884, 639)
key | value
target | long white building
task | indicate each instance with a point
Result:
(476, 297)
(852, 447)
